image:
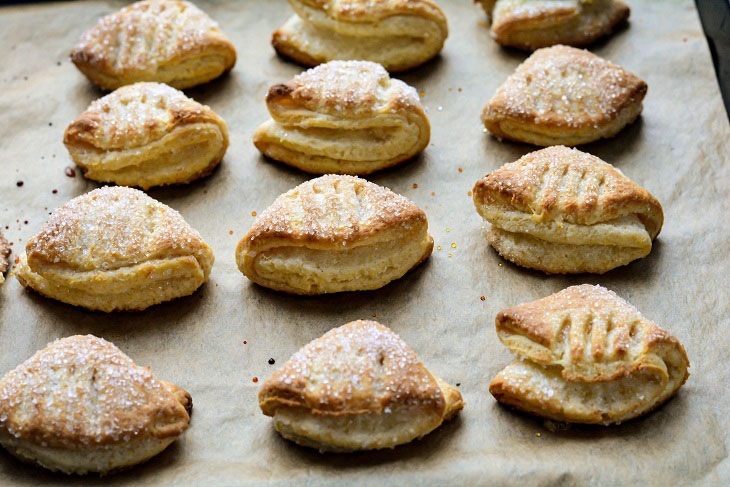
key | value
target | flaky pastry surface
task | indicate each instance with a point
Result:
(357, 387)
(5, 251)
(170, 41)
(345, 117)
(564, 96)
(586, 355)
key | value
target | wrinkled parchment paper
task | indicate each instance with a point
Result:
(678, 150)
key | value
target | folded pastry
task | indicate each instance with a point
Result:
(399, 34)
(169, 41)
(147, 134)
(115, 249)
(587, 356)
(561, 210)
(333, 234)
(357, 387)
(4, 254)
(532, 24)
(563, 95)
(81, 405)
(344, 117)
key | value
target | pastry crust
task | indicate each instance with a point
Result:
(564, 96)
(169, 41)
(561, 210)
(81, 405)
(343, 117)
(399, 34)
(115, 249)
(4, 254)
(334, 234)
(147, 134)
(532, 24)
(585, 355)
(357, 387)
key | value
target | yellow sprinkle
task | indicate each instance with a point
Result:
(453, 245)
(447, 230)
(538, 435)
(500, 265)
(423, 93)
(449, 255)
(438, 248)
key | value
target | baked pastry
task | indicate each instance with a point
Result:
(532, 24)
(561, 210)
(169, 41)
(147, 134)
(357, 387)
(115, 249)
(399, 34)
(587, 356)
(564, 96)
(81, 405)
(333, 234)
(4, 254)
(344, 117)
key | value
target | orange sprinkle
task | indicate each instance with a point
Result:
(17, 259)
(460, 169)
(483, 298)
(481, 22)
(255, 379)
(469, 193)
(415, 185)
(423, 93)
(373, 315)
(433, 193)
(231, 232)
(253, 213)
(459, 90)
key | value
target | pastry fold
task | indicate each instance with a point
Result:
(334, 234)
(357, 387)
(564, 96)
(399, 34)
(343, 117)
(585, 355)
(561, 210)
(81, 405)
(147, 134)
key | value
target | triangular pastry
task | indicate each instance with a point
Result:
(357, 387)
(561, 210)
(81, 405)
(587, 356)
(344, 117)
(333, 234)
(147, 134)
(532, 24)
(564, 96)
(115, 249)
(4, 254)
(399, 34)
(169, 41)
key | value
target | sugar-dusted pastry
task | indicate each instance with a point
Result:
(561, 210)
(532, 24)
(333, 234)
(587, 356)
(147, 134)
(357, 387)
(81, 405)
(563, 95)
(169, 41)
(4, 254)
(399, 34)
(115, 249)
(344, 117)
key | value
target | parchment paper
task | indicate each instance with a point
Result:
(678, 150)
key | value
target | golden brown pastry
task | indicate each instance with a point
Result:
(147, 134)
(532, 24)
(399, 34)
(564, 96)
(115, 249)
(561, 210)
(4, 254)
(344, 117)
(169, 41)
(333, 234)
(587, 356)
(357, 387)
(81, 405)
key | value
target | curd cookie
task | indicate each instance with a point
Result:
(4, 254)
(147, 134)
(81, 405)
(334, 234)
(532, 24)
(357, 387)
(115, 249)
(169, 41)
(399, 34)
(586, 356)
(563, 211)
(564, 96)
(344, 117)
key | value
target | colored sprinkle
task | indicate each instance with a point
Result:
(423, 93)
(538, 435)
(453, 245)
(70, 172)
(458, 384)
(19, 183)
(255, 379)
(447, 230)
(230, 232)
(374, 315)
(433, 193)
(500, 265)
(438, 247)
(54, 191)
(449, 255)
(245, 342)
(483, 298)
(460, 169)
(272, 361)
(253, 213)
(415, 186)
(469, 193)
